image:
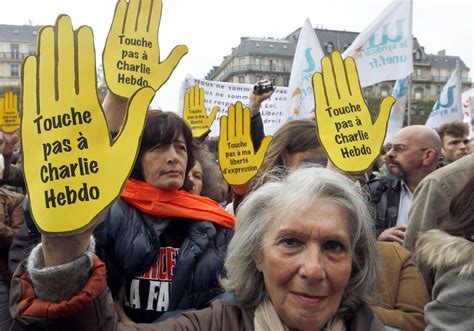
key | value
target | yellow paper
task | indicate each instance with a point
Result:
(73, 169)
(9, 117)
(194, 112)
(238, 161)
(352, 142)
(132, 54)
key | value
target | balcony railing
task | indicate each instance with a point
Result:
(13, 56)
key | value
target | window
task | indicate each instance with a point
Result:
(384, 92)
(15, 51)
(271, 46)
(31, 49)
(418, 55)
(258, 77)
(257, 44)
(418, 73)
(287, 81)
(241, 79)
(273, 79)
(286, 65)
(418, 93)
(241, 63)
(258, 63)
(285, 47)
(329, 47)
(14, 70)
(272, 64)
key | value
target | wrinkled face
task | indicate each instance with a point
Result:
(195, 177)
(405, 155)
(296, 159)
(165, 166)
(455, 147)
(306, 262)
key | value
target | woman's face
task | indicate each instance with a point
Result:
(306, 262)
(165, 166)
(195, 177)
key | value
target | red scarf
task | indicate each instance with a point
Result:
(163, 203)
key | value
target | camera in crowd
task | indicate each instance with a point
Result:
(262, 88)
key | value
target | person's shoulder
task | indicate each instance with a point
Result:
(365, 319)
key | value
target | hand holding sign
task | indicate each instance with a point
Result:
(194, 112)
(345, 127)
(10, 119)
(73, 170)
(237, 159)
(132, 54)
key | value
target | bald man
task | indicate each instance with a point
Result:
(412, 155)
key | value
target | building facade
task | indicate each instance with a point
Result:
(268, 58)
(16, 43)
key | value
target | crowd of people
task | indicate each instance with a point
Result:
(309, 247)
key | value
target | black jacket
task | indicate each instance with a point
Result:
(385, 197)
(128, 241)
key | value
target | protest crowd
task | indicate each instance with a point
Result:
(172, 228)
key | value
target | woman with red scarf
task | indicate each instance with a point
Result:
(163, 247)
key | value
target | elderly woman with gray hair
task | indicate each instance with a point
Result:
(303, 257)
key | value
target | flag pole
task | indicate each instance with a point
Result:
(409, 101)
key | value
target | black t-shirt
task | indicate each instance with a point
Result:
(147, 295)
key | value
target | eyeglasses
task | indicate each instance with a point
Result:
(400, 148)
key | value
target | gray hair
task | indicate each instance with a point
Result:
(302, 186)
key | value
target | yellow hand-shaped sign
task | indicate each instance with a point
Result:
(345, 127)
(194, 112)
(238, 160)
(132, 54)
(73, 169)
(9, 117)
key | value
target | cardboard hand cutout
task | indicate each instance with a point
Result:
(9, 117)
(73, 169)
(238, 161)
(194, 112)
(132, 54)
(352, 142)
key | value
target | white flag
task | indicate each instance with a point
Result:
(397, 113)
(383, 51)
(307, 61)
(468, 110)
(448, 106)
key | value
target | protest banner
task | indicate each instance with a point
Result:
(306, 61)
(468, 110)
(238, 160)
(9, 117)
(352, 142)
(71, 165)
(397, 113)
(448, 106)
(131, 56)
(383, 51)
(195, 113)
(223, 95)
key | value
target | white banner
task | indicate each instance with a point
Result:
(397, 113)
(223, 94)
(383, 51)
(447, 107)
(468, 110)
(307, 60)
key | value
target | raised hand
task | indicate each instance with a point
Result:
(345, 127)
(194, 112)
(9, 116)
(237, 159)
(73, 169)
(131, 56)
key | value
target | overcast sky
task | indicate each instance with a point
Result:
(211, 28)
